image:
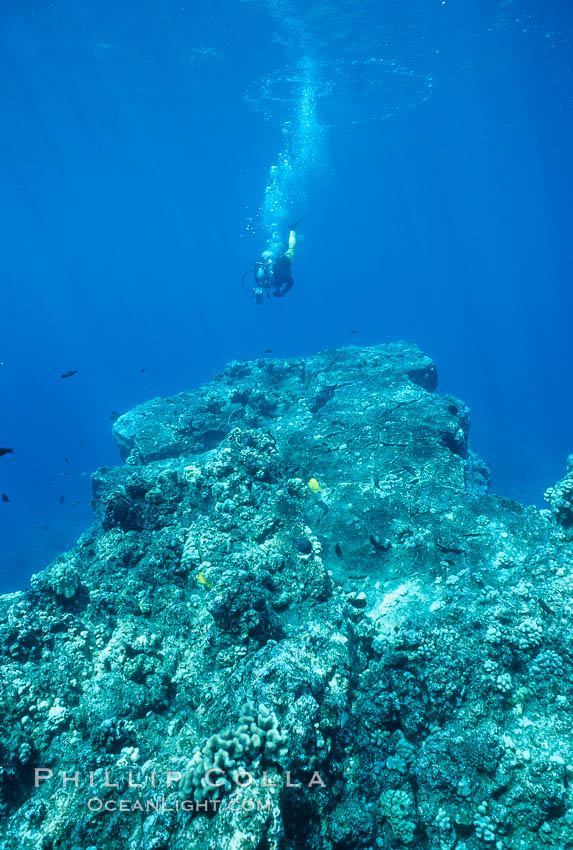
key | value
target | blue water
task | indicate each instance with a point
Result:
(428, 141)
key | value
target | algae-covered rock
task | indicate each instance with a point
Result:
(560, 499)
(299, 621)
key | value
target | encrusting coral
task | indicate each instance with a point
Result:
(297, 574)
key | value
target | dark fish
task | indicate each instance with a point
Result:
(338, 550)
(114, 415)
(6, 452)
(76, 503)
(143, 369)
(122, 508)
(69, 373)
(303, 545)
(5, 497)
(45, 527)
(268, 351)
(62, 499)
(66, 460)
(352, 332)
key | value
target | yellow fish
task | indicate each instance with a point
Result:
(314, 486)
(202, 580)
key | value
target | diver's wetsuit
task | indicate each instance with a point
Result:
(283, 280)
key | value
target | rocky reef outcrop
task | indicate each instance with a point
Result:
(299, 621)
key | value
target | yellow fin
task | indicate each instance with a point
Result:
(202, 580)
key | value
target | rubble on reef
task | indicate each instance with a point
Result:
(298, 582)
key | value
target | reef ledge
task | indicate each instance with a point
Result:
(299, 622)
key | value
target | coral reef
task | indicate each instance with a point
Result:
(227, 755)
(560, 500)
(299, 621)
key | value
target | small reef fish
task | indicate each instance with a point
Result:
(69, 373)
(314, 486)
(5, 497)
(114, 415)
(6, 452)
(303, 545)
(352, 331)
(268, 351)
(62, 499)
(202, 580)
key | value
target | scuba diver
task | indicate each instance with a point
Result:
(272, 272)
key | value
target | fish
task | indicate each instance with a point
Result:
(122, 508)
(62, 499)
(314, 486)
(66, 460)
(268, 351)
(69, 373)
(114, 415)
(143, 369)
(6, 452)
(352, 331)
(303, 545)
(4, 497)
(202, 580)
(338, 550)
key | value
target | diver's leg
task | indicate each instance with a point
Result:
(291, 245)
